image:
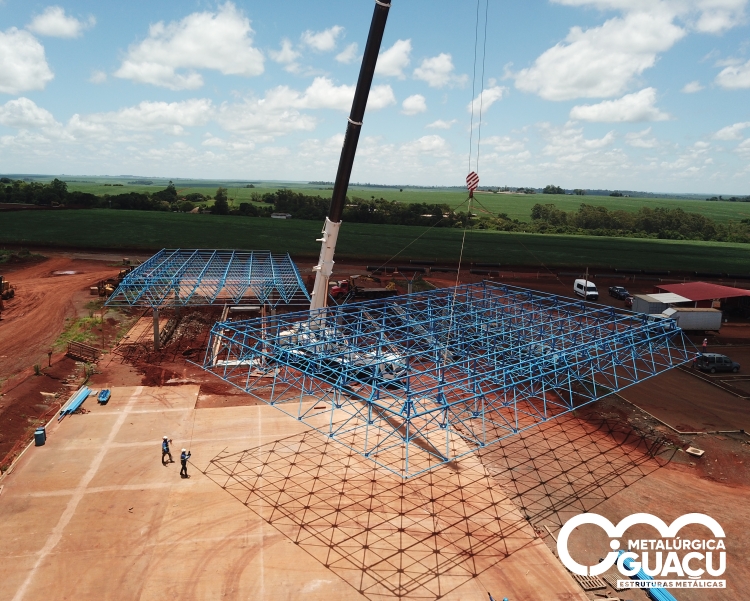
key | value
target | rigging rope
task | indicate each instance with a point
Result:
(473, 87)
(471, 151)
(471, 124)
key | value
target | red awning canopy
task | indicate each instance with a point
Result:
(702, 291)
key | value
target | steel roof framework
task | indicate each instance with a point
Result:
(421, 380)
(179, 278)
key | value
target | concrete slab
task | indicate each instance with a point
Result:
(281, 512)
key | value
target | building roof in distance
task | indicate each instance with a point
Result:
(702, 291)
(666, 298)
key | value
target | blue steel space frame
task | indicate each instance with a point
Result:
(416, 381)
(179, 278)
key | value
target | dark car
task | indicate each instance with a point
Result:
(618, 292)
(713, 362)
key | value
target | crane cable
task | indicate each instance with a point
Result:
(471, 123)
(471, 152)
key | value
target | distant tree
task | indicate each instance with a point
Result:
(186, 206)
(221, 204)
(195, 197)
(616, 194)
(59, 187)
(169, 194)
(553, 190)
(579, 192)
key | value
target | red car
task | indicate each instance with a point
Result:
(629, 302)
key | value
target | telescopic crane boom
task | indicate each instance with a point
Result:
(324, 268)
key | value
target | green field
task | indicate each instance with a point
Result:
(142, 230)
(517, 206)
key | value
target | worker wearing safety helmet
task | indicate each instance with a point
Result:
(184, 456)
(165, 450)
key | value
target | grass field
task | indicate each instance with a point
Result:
(103, 229)
(517, 206)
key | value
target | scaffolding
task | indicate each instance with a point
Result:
(420, 380)
(182, 278)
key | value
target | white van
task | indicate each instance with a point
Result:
(586, 290)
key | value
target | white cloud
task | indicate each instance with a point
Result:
(23, 65)
(220, 41)
(692, 161)
(735, 77)
(744, 147)
(286, 56)
(705, 16)
(392, 62)
(717, 16)
(414, 105)
(432, 145)
(323, 94)
(503, 144)
(692, 87)
(629, 108)
(441, 124)
(602, 61)
(731, 132)
(234, 145)
(53, 22)
(380, 97)
(322, 41)
(438, 71)
(280, 111)
(568, 145)
(98, 76)
(23, 113)
(348, 54)
(486, 99)
(322, 153)
(641, 139)
(265, 118)
(167, 117)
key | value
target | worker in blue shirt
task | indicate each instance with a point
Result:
(183, 460)
(165, 450)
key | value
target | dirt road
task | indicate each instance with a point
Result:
(34, 319)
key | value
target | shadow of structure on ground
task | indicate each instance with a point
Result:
(570, 465)
(425, 537)
(386, 537)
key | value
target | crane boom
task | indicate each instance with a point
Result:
(324, 268)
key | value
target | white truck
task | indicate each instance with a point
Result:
(695, 320)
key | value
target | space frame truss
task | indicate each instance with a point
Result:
(420, 380)
(180, 278)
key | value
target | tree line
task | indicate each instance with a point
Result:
(665, 223)
(661, 222)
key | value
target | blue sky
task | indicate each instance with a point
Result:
(630, 94)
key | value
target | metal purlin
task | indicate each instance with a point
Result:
(416, 381)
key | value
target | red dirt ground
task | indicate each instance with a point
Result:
(31, 322)
(23, 408)
(596, 460)
(34, 319)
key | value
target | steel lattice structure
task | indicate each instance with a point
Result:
(416, 381)
(179, 278)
